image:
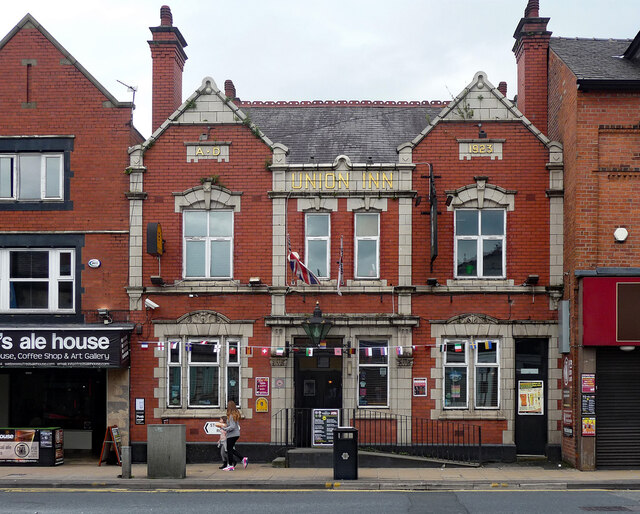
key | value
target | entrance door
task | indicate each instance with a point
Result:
(531, 396)
(318, 385)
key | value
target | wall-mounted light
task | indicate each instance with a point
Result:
(104, 316)
(432, 282)
(157, 280)
(481, 133)
(532, 280)
(627, 348)
(448, 200)
(254, 281)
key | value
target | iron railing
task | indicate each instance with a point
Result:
(381, 431)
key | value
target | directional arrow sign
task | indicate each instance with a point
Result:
(210, 428)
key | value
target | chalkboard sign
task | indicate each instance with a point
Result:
(323, 423)
(112, 441)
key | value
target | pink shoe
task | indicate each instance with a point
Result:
(229, 468)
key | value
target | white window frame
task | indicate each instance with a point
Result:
(358, 239)
(477, 365)
(208, 239)
(15, 176)
(211, 364)
(184, 363)
(480, 239)
(54, 279)
(326, 238)
(228, 364)
(446, 365)
(384, 343)
(171, 365)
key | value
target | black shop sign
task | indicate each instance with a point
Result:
(78, 348)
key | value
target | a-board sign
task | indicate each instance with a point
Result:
(323, 423)
(112, 441)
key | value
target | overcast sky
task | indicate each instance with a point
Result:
(312, 50)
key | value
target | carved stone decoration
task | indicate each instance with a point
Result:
(278, 362)
(472, 319)
(203, 317)
(405, 362)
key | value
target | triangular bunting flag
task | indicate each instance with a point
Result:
(337, 351)
(309, 352)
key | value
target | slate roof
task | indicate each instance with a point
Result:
(597, 59)
(320, 133)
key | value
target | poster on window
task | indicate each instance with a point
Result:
(530, 397)
(419, 387)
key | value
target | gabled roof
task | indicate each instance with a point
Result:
(312, 132)
(480, 101)
(321, 132)
(30, 22)
(599, 62)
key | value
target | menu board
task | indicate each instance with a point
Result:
(323, 423)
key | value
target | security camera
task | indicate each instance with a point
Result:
(149, 304)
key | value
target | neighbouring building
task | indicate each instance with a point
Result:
(64, 233)
(435, 234)
(589, 91)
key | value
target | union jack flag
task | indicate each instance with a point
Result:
(301, 271)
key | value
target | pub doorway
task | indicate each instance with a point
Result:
(317, 383)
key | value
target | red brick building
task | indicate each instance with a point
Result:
(435, 234)
(64, 233)
(592, 99)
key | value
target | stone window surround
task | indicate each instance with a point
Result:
(481, 196)
(473, 326)
(200, 324)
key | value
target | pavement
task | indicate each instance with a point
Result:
(80, 474)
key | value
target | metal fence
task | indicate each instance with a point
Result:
(381, 431)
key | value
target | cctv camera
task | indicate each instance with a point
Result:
(150, 304)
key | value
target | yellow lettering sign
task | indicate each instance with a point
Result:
(199, 151)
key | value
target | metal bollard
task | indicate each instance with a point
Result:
(126, 462)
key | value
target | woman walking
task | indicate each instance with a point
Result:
(232, 429)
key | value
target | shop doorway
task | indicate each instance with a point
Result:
(317, 384)
(73, 399)
(531, 396)
(617, 408)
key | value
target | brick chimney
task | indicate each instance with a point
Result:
(531, 51)
(502, 87)
(230, 90)
(168, 56)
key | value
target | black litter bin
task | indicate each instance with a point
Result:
(345, 453)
